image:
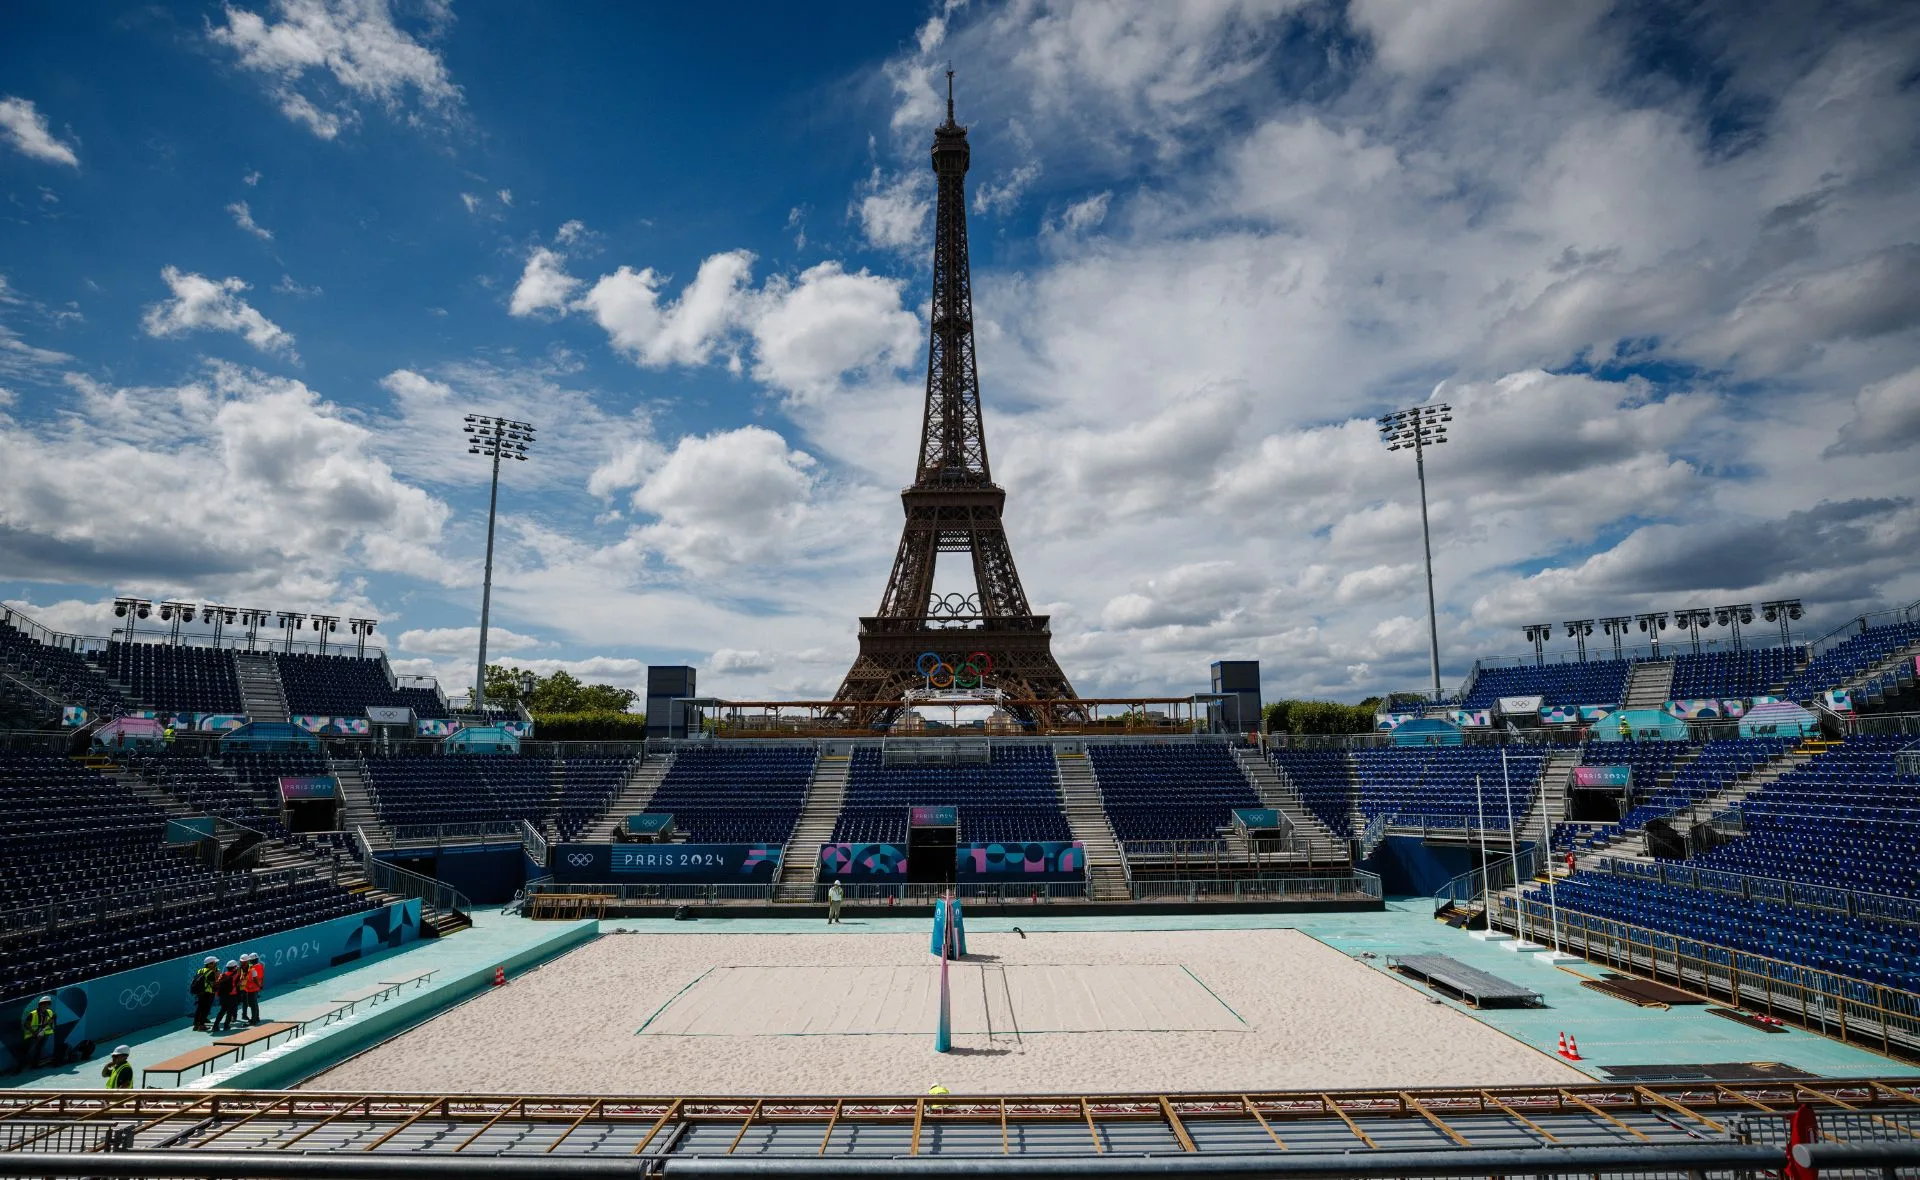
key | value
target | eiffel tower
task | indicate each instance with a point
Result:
(954, 507)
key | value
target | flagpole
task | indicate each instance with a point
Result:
(1513, 844)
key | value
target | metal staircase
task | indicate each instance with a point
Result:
(261, 694)
(633, 798)
(1550, 800)
(356, 804)
(800, 862)
(1278, 792)
(1632, 845)
(1649, 684)
(1086, 810)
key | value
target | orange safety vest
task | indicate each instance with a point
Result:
(253, 977)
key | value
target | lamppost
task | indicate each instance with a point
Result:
(1538, 634)
(1732, 616)
(1578, 630)
(497, 439)
(1616, 626)
(1653, 622)
(1419, 428)
(361, 628)
(1782, 611)
(131, 609)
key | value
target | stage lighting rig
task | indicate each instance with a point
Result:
(1616, 626)
(289, 622)
(1693, 618)
(1733, 616)
(1783, 611)
(361, 628)
(132, 609)
(1653, 622)
(1578, 630)
(1538, 634)
(325, 625)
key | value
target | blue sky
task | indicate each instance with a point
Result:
(259, 258)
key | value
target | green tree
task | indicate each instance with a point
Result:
(1320, 717)
(556, 693)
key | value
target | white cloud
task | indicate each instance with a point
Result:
(470, 201)
(243, 217)
(627, 305)
(251, 179)
(342, 50)
(1886, 417)
(893, 214)
(725, 498)
(1082, 216)
(810, 333)
(506, 197)
(26, 129)
(287, 495)
(199, 303)
(464, 641)
(1000, 196)
(544, 285)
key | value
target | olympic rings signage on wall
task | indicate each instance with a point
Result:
(954, 672)
(579, 860)
(139, 995)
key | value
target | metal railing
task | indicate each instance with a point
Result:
(440, 835)
(1854, 903)
(1482, 880)
(1358, 883)
(1835, 1004)
(534, 843)
(1372, 835)
(661, 894)
(390, 878)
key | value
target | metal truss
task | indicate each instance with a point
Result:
(1295, 1124)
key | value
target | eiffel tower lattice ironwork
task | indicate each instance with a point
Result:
(954, 506)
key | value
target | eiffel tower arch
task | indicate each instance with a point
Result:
(953, 506)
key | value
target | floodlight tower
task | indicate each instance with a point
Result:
(131, 609)
(361, 628)
(1693, 618)
(289, 622)
(252, 616)
(1419, 428)
(325, 624)
(219, 616)
(496, 439)
(175, 613)
(1782, 611)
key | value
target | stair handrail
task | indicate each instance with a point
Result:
(1372, 835)
(534, 843)
(391, 878)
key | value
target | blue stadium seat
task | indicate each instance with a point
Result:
(1013, 797)
(1170, 792)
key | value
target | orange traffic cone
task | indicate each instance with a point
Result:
(500, 979)
(1573, 1047)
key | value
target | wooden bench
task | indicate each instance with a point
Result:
(263, 1032)
(419, 980)
(201, 1059)
(372, 992)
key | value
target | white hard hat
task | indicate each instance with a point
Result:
(231, 963)
(44, 1000)
(247, 958)
(122, 1050)
(210, 961)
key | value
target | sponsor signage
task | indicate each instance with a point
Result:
(1257, 817)
(933, 817)
(1611, 778)
(1033, 860)
(304, 788)
(1520, 705)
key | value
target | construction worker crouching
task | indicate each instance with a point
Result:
(119, 1070)
(36, 1033)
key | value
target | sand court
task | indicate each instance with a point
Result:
(853, 1014)
(995, 1000)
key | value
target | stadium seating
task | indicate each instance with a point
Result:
(174, 678)
(587, 788)
(1845, 818)
(1886, 953)
(736, 794)
(1436, 785)
(1013, 797)
(1847, 659)
(1717, 765)
(343, 686)
(462, 788)
(1321, 778)
(75, 837)
(1171, 792)
(1596, 682)
(201, 785)
(1737, 674)
(64, 675)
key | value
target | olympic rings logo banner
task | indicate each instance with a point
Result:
(954, 671)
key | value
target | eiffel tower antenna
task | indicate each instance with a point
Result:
(953, 506)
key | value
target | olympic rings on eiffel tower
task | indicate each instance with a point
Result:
(953, 672)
